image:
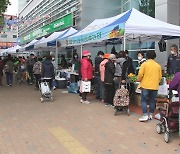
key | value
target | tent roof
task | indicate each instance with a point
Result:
(138, 27)
(141, 26)
(69, 32)
(98, 24)
(49, 41)
(31, 46)
(12, 49)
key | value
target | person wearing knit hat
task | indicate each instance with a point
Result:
(106, 56)
(86, 72)
(108, 80)
(102, 71)
(86, 53)
(112, 57)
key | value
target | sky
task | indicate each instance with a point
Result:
(13, 8)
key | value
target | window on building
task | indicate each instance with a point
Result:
(147, 7)
(14, 36)
(3, 36)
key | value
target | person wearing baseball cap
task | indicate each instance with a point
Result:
(86, 72)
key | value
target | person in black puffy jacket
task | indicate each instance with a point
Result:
(98, 60)
(108, 80)
(48, 70)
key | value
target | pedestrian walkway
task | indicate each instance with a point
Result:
(66, 126)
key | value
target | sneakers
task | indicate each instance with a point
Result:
(84, 102)
(110, 105)
(106, 104)
(150, 116)
(102, 101)
(144, 118)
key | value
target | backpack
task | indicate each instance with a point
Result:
(6, 68)
(121, 97)
(37, 68)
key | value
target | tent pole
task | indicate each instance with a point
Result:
(124, 41)
(81, 50)
(56, 55)
(106, 47)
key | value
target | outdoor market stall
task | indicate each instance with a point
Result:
(129, 27)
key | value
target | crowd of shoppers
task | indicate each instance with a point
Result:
(111, 70)
(28, 69)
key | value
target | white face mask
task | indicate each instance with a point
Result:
(139, 58)
(172, 52)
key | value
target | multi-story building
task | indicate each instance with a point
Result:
(22, 4)
(8, 35)
(42, 17)
(170, 14)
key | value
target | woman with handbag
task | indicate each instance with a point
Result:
(86, 73)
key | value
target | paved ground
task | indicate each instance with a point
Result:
(66, 126)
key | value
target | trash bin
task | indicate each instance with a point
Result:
(61, 83)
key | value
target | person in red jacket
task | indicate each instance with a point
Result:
(86, 72)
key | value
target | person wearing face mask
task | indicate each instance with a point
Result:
(53, 62)
(86, 72)
(75, 62)
(63, 63)
(141, 60)
(172, 60)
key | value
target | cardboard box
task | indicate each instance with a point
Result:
(136, 99)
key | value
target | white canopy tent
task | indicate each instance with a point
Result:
(130, 26)
(11, 50)
(31, 46)
(27, 45)
(51, 40)
(3, 52)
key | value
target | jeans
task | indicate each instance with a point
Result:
(148, 95)
(99, 87)
(103, 91)
(9, 78)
